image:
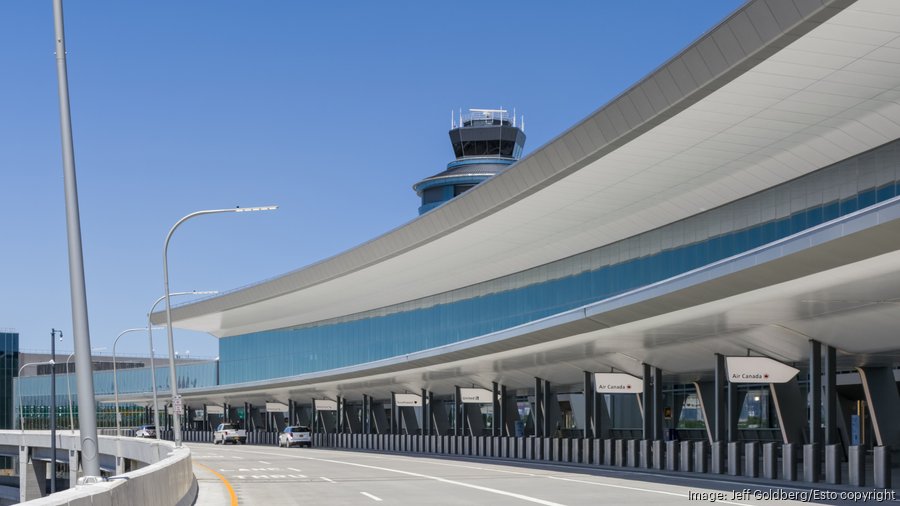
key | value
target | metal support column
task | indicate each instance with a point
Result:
(734, 412)
(830, 400)
(658, 408)
(457, 422)
(366, 415)
(433, 427)
(426, 414)
(812, 451)
(647, 405)
(588, 390)
(815, 391)
(497, 411)
(395, 425)
(548, 398)
(504, 420)
(538, 407)
(833, 450)
(719, 411)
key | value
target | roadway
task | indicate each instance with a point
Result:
(255, 475)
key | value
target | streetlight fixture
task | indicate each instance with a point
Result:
(176, 399)
(152, 363)
(69, 388)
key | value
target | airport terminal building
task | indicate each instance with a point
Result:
(740, 202)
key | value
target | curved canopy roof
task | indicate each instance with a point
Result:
(777, 90)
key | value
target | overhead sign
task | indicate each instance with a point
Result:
(325, 405)
(215, 410)
(407, 400)
(758, 370)
(276, 407)
(617, 383)
(476, 396)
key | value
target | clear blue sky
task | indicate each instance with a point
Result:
(331, 110)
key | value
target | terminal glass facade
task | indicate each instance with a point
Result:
(35, 392)
(9, 369)
(734, 228)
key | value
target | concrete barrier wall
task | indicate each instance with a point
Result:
(678, 456)
(166, 479)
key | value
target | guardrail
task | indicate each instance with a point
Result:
(164, 474)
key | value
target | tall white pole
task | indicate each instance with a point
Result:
(85, 380)
(19, 384)
(69, 393)
(152, 363)
(173, 378)
(116, 379)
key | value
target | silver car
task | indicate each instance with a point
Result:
(295, 435)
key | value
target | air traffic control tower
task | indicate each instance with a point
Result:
(485, 142)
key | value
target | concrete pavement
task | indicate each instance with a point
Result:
(261, 475)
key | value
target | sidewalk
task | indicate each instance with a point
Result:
(212, 490)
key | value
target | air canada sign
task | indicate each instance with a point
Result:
(617, 383)
(758, 370)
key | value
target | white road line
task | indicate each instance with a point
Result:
(570, 469)
(292, 469)
(610, 485)
(435, 478)
(264, 462)
(326, 479)
(370, 496)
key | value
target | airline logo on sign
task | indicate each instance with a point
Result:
(617, 383)
(407, 400)
(758, 370)
(475, 396)
(325, 405)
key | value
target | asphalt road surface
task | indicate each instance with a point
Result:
(262, 475)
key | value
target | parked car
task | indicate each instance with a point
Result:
(227, 432)
(145, 431)
(295, 435)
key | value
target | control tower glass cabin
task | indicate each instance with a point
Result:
(485, 142)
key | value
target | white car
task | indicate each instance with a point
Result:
(228, 433)
(295, 435)
(146, 431)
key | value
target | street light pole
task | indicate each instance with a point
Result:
(172, 376)
(69, 388)
(86, 404)
(19, 384)
(116, 379)
(53, 333)
(69, 394)
(152, 363)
